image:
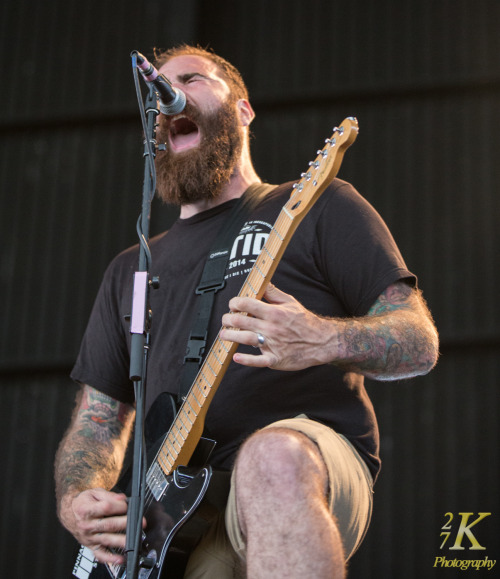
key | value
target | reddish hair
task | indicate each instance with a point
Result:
(230, 73)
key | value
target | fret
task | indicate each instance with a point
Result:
(263, 264)
(273, 230)
(206, 380)
(190, 406)
(254, 291)
(284, 221)
(202, 375)
(183, 425)
(210, 367)
(216, 357)
(179, 432)
(289, 215)
(267, 251)
(283, 228)
(186, 414)
(165, 457)
(259, 271)
(212, 356)
(220, 342)
(274, 242)
(160, 460)
(202, 393)
(171, 443)
(194, 397)
(174, 442)
(164, 463)
(255, 282)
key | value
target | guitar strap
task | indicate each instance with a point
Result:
(212, 280)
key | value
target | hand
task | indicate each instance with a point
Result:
(293, 338)
(98, 520)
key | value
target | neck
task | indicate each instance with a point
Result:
(243, 176)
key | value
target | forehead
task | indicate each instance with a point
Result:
(187, 63)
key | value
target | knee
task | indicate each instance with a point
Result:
(279, 456)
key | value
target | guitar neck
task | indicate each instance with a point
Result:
(186, 430)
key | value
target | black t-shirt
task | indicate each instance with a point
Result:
(340, 259)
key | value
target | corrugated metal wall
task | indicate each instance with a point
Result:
(423, 78)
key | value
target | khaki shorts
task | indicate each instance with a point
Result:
(222, 550)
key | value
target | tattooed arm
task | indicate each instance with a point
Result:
(396, 339)
(88, 462)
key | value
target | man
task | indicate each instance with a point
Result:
(294, 411)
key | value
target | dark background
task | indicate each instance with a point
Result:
(423, 79)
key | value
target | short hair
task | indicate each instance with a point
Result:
(230, 73)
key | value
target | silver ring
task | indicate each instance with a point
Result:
(261, 340)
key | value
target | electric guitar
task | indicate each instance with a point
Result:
(175, 493)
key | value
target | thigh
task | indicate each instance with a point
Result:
(350, 485)
(214, 556)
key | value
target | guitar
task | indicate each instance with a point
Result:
(174, 493)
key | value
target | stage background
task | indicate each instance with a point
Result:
(423, 79)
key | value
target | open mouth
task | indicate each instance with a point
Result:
(183, 134)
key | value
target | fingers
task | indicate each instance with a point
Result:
(242, 329)
(246, 338)
(109, 548)
(292, 337)
(99, 503)
(252, 322)
(265, 360)
(101, 518)
(258, 308)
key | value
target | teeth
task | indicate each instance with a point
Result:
(174, 119)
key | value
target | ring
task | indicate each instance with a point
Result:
(261, 340)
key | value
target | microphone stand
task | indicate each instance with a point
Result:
(140, 339)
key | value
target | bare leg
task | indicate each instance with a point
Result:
(281, 486)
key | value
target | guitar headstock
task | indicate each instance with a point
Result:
(325, 167)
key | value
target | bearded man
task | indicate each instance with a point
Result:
(292, 418)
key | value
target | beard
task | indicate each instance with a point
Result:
(200, 173)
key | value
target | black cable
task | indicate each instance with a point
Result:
(150, 155)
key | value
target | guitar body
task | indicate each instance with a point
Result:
(175, 523)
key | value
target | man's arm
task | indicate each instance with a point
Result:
(88, 463)
(396, 339)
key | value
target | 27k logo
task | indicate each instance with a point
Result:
(464, 529)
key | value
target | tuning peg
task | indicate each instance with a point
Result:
(314, 164)
(307, 176)
(332, 142)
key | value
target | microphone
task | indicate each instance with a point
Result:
(172, 100)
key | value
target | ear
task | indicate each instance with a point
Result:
(246, 112)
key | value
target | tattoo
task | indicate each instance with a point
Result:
(395, 297)
(397, 338)
(364, 341)
(101, 417)
(91, 453)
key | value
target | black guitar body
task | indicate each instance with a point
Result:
(179, 509)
